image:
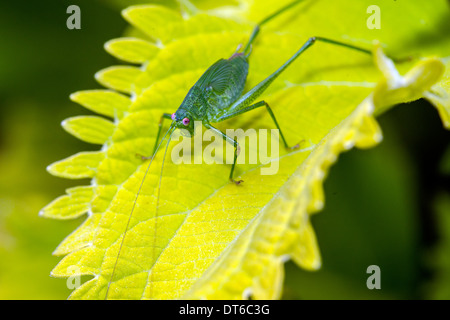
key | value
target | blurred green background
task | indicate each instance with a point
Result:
(388, 206)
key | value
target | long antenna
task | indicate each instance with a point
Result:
(265, 20)
(172, 127)
(157, 203)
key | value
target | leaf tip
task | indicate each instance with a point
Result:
(64, 123)
(108, 46)
(42, 213)
(50, 168)
(73, 96)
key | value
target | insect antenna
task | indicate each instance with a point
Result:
(157, 202)
(171, 129)
(255, 32)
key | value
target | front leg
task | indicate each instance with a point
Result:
(164, 116)
(237, 150)
(160, 125)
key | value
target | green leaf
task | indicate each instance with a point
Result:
(107, 103)
(89, 129)
(198, 236)
(132, 50)
(120, 78)
(70, 206)
(439, 96)
(81, 165)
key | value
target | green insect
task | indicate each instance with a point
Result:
(217, 96)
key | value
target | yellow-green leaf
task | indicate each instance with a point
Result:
(157, 22)
(120, 78)
(104, 102)
(81, 165)
(440, 97)
(70, 206)
(197, 235)
(132, 50)
(89, 128)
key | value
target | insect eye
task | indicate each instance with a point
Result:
(186, 121)
(173, 116)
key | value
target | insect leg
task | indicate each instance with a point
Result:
(160, 125)
(164, 116)
(237, 149)
(256, 91)
(254, 106)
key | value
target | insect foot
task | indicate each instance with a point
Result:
(143, 158)
(297, 146)
(236, 182)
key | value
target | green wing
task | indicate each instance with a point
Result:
(217, 76)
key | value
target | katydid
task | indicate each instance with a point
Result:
(217, 96)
